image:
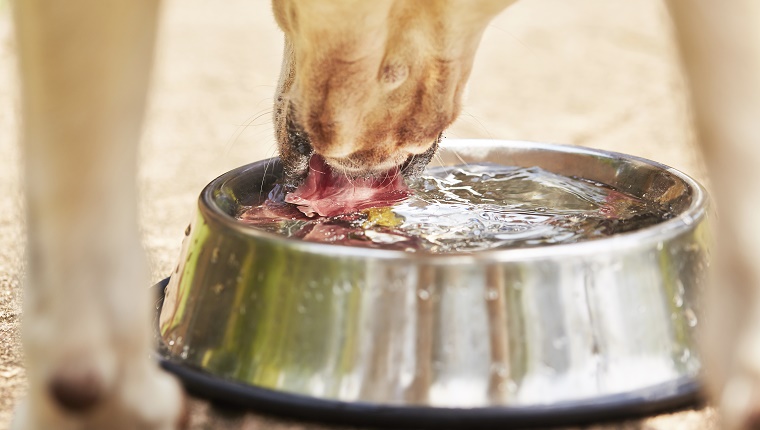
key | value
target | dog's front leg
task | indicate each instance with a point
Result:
(720, 43)
(84, 67)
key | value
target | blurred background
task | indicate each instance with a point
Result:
(598, 73)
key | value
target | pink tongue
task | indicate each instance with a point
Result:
(328, 193)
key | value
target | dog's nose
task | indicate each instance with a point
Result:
(393, 74)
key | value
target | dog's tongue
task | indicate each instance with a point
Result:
(328, 193)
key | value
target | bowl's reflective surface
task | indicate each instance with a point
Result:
(507, 327)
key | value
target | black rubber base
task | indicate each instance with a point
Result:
(658, 399)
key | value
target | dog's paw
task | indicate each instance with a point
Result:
(154, 401)
(145, 398)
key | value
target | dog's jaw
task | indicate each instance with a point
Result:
(295, 149)
(292, 141)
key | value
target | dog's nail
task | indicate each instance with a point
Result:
(76, 391)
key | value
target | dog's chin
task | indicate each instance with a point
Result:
(353, 169)
(410, 166)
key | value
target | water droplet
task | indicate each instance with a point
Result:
(691, 317)
(499, 369)
(492, 294)
(185, 352)
(508, 386)
(232, 261)
(679, 293)
(423, 294)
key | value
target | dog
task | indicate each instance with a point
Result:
(366, 84)
(720, 46)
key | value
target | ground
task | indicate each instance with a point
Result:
(599, 73)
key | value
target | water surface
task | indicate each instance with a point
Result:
(472, 208)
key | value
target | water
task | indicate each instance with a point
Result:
(473, 208)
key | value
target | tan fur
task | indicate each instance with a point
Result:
(721, 50)
(87, 334)
(375, 82)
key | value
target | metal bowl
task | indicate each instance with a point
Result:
(558, 326)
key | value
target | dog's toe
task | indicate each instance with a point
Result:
(158, 401)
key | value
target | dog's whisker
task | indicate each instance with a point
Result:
(268, 100)
(349, 179)
(482, 126)
(270, 161)
(242, 127)
(438, 157)
(459, 157)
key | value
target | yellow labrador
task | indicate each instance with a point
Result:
(721, 50)
(368, 85)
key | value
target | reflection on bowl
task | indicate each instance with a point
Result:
(508, 327)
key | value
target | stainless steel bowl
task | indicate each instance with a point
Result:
(562, 324)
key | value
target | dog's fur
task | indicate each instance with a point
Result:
(720, 44)
(366, 84)
(373, 83)
(87, 334)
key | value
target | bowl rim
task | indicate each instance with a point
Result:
(651, 236)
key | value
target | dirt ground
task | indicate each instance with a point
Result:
(599, 73)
